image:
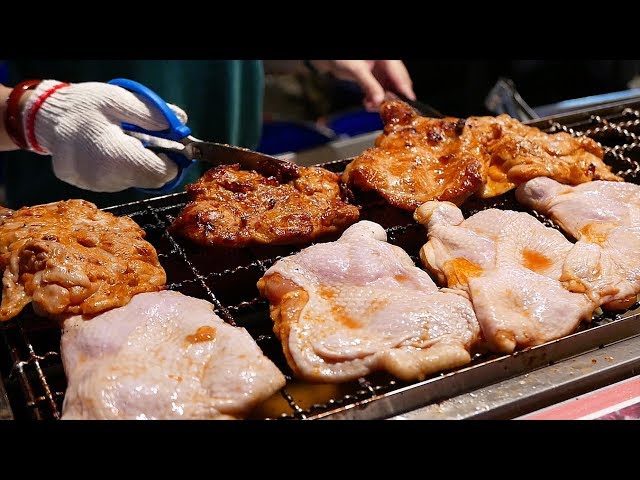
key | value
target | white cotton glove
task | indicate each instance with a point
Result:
(79, 126)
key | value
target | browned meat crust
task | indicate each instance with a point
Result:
(519, 153)
(69, 257)
(417, 159)
(234, 208)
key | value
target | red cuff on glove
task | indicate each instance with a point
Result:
(13, 119)
(30, 133)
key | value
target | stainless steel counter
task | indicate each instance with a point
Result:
(540, 388)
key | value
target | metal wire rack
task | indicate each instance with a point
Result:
(30, 362)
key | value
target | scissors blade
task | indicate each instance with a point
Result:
(223, 154)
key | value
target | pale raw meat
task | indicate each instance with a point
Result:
(162, 356)
(347, 308)
(509, 265)
(605, 219)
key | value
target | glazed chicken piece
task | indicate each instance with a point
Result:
(162, 356)
(70, 257)
(509, 265)
(518, 153)
(235, 208)
(605, 219)
(417, 159)
(347, 308)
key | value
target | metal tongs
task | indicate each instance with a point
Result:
(504, 98)
(194, 149)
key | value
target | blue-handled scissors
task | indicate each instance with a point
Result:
(194, 149)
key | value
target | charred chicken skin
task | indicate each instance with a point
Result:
(235, 208)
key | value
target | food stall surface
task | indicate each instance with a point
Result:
(507, 386)
(620, 401)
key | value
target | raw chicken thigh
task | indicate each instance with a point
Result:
(509, 265)
(164, 355)
(347, 308)
(605, 219)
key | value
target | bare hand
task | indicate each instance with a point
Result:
(373, 76)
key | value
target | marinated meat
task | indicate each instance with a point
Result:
(71, 257)
(347, 308)
(605, 219)
(164, 355)
(417, 159)
(519, 153)
(510, 266)
(234, 208)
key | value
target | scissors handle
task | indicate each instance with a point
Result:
(176, 131)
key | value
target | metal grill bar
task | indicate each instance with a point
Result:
(31, 366)
(220, 309)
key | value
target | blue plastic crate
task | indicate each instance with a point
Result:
(355, 123)
(290, 136)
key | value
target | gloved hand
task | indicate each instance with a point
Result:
(79, 126)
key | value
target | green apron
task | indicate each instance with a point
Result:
(223, 99)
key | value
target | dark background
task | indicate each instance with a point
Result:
(459, 87)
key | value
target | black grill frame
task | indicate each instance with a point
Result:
(31, 367)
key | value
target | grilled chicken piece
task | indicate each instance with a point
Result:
(347, 308)
(509, 265)
(234, 208)
(518, 153)
(418, 159)
(605, 219)
(70, 257)
(163, 356)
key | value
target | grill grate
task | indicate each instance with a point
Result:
(30, 361)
